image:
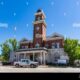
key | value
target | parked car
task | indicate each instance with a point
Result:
(26, 63)
(77, 63)
(62, 62)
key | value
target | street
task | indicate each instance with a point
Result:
(40, 69)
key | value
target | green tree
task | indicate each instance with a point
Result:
(5, 51)
(13, 44)
(70, 46)
(8, 46)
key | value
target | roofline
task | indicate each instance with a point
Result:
(54, 38)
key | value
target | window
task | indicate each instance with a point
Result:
(23, 60)
(26, 46)
(46, 45)
(55, 45)
(23, 47)
(27, 61)
(37, 28)
(38, 18)
(58, 45)
(37, 45)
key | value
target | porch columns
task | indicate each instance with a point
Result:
(24, 55)
(41, 57)
(18, 57)
(44, 58)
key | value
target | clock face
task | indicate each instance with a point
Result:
(37, 28)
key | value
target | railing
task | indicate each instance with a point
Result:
(29, 49)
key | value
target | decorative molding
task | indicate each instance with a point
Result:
(40, 21)
(39, 13)
(38, 36)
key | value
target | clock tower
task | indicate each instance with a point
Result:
(39, 34)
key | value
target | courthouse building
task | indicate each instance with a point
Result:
(42, 48)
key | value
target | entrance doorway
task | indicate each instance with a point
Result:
(31, 57)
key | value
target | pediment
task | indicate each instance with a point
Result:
(55, 35)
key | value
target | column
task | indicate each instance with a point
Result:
(41, 57)
(18, 57)
(24, 55)
(44, 57)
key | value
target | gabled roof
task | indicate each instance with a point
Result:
(55, 35)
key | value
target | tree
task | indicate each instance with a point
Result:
(13, 44)
(71, 47)
(7, 47)
(5, 51)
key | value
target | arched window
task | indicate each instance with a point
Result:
(37, 45)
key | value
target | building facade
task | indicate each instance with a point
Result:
(42, 48)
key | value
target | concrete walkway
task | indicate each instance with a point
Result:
(40, 69)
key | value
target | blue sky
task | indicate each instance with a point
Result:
(16, 17)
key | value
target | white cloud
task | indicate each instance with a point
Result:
(52, 25)
(77, 25)
(14, 14)
(27, 3)
(65, 13)
(15, 28)
(52, 3)
(27, 25)
(2, 3)
(77, 3)
(4, 25)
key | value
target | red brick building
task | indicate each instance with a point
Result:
(42, 48)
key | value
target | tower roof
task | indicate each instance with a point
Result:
(39, 10)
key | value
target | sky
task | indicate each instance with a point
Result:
(17, 16)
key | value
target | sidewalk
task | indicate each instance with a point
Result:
(42, 66)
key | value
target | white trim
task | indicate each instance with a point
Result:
(41, 21)
(54, 38)
(38, 13)
(38, 51)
